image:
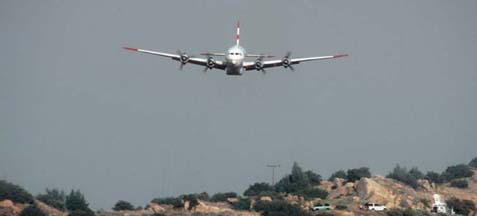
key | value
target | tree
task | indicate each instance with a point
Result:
(257, 188)
(294, 182)
(242, 204)
(314, 178)
(222, 197)
(401, 174)
(457, 171)
(358, 173)
(192, 199)
(414, 172)
(473, 163)
(338, 174)
(203, 196)
(54, 198)
(76, 201)
(14, 193)
(123, 205)
(463, 207)
(175, 202)
(32, 210)
(434, 177)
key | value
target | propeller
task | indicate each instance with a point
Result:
(210, 63)
(259, 64)
(183, 58)
(286, 61)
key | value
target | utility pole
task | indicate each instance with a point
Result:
(273, 166)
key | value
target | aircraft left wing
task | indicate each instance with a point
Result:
(285, 62)
(184, 58)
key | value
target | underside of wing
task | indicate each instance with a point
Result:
(183, 58)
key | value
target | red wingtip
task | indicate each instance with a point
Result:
(132, 49)
(238, 24)
(339, 56)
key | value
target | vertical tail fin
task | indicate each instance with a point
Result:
(238, 33)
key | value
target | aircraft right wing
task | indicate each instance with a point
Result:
(184, 58)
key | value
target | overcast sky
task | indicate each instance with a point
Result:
(79, 112)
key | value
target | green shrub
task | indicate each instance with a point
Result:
(459, 183)
(54, 198)
(401, 174)
(14, 193)
(341, 207)
(242, 204)
(457, 171)
(295, 182)
(473, 163)
(407, 212)
(312, 193)
(82, 213)
(338, 174)
(192, 199)
(175, 202)
(123, 205)
(278, 208)
(203, 196)
(32, 210)
(313, 177)
(257, 188)
(358, 173)
(222, 197)
(75, 201)
(464, 207)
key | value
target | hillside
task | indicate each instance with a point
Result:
(343, 195)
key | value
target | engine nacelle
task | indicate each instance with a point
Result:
(286, 62)
(184, 58)
(210, 62)
(258, 65)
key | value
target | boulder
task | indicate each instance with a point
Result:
(155, 208)
(293, 199)
(342, 190)
(6, 204)
(338, 182)
(326, 185)
(232, 199)
(370, 191)
(266, 198)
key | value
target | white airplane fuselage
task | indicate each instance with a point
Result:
(234, 58)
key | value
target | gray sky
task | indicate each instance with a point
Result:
(77, 111)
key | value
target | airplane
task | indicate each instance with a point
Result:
(234, 63)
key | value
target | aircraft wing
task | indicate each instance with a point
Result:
(177, 57)
(292, 61)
